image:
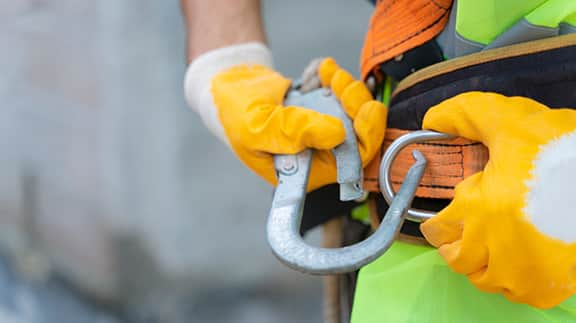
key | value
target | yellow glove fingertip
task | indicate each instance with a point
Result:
(353, 96)
(326, 70)
(438, 118)
(370, 128)
(371, 115)
(341, 82)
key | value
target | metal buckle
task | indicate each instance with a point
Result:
(385, 182)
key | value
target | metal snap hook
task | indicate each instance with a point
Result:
(283, 227)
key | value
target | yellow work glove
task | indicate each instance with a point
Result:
(249, 101)
(511, 228)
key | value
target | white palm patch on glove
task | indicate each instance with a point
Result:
(551, 200)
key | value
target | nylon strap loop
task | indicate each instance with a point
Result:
(449, 162)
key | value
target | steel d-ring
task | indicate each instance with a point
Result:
(390, 155)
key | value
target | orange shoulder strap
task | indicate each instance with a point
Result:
(397, 26)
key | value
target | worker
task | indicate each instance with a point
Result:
(505, 245)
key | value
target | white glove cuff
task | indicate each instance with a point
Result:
(202, 70)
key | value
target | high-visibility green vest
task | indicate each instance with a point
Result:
(483, 21)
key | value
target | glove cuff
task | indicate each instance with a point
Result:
(200, 72)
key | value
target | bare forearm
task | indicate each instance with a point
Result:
(212, 24)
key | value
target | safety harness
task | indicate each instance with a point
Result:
(432, 52)
(535, 58)
(543, 70)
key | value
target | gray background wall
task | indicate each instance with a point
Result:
(119, 183)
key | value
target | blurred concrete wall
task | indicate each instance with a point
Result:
(106, 176)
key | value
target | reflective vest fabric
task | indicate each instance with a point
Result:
(413, 284)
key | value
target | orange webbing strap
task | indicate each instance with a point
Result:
(449, 162)
(398, 26)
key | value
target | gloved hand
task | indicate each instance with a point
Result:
(511, 228)
(257, 125)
